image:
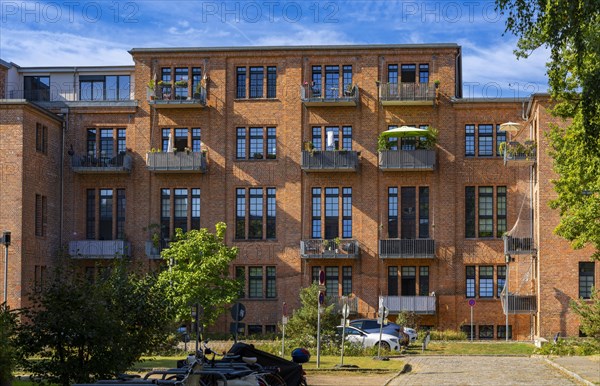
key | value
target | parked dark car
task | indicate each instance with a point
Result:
(371, 325)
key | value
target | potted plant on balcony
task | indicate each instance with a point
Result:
(257, 156)
(151, 89)
(336, 244)
(181, 84)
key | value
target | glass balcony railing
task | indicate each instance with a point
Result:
(323, 248)
(424, 305)
(99, 249)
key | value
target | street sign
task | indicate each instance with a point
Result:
(383, 312)
(238, 312)
(321, 277)
(321, 298)
(345, 311)
(472, 302)
(284, 320)
(285, 310)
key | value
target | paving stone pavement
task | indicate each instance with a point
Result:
(473, 370)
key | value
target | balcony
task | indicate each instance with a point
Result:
(153, 251)
(338, 303)
(180, 162)
(329, 96)
(518, 245)
(519, 154)
(329, 249)
(423, 305)
(329, 161)
(167, 97)
(407, 249)
(520, 304)
(55, 97)
(92, 164)
(408, 160)
(99, 249)
(406, 94)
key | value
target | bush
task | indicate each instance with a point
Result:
(447, 335)
(581, 346)
(8, 359)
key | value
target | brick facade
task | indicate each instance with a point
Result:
(455, 172)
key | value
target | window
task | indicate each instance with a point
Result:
(270, 329)
(484, 207)
(501, 274)
(258, 80)
(256, 143)
(102, 143)
(332, 136)
(423, 73)
(470, 140)
(271, 291)
(37, 88)
(408, 73)
(486, 211)
(337, 79)
(586, 279)
(392, 281)
(486, 332)
(466, 328)
(39, 278)
(423, 281)
(346, 281)
(41, 138)
(331, 211)
(393, 73)
(255, 282)
(255, 329)
(332, 281)
(315, 274)
(176, 211)
(181, 78)
(240, 276)
(470, 281)
(408, 282)
(257, 275)
(104, 87)
(402, 214)
(501, 331)
(104, 216)
(487, 139)
(486, 281)
(165, 77)
(41, 215)
(252, 221)
(183, 138)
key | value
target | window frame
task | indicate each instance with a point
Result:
(264, 203)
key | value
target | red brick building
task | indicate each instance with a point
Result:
(283, 144)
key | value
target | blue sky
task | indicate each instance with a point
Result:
(81, 32)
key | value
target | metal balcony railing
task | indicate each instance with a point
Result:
(407, 248)
(153, 251)
(516, 153)
(406, 93)
(424, 305)
(99, 249)
(338, 302)
(70, 94)
(330, 160)
(321, 248)
(329, 95)
(179, 162)
(419, 159)
(519, 304)
(176, 97)
(101, 163)
(518, 245)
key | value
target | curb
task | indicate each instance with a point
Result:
(406, 369)
(571, 374)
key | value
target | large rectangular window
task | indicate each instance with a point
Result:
(271, 292)
(105, 228)
(393, 213)
(423, 212)
(271, 82)
(240, 82)
(486, 140)
(586, 279)
(486, 332)
(486, 211)
(423, 281)
(346, 281)
(470, 211)
(90, 215)
(37, 88)
(336, 138)
(180, 208)
(253, 222)
(423, 73)
(181, 82)
(332, 212)
(121, 207)
(500, 211)
(408, 213)
(501, 281)
(104, 87)
(469, 140)
(317, 79)
(255, 282)
(251, 82)
(500, 138)
(41, 138)
(256, 82)
(256, 143)
(261, 281)
(332, 281)
(332, 81)
(316, 226)
(486, 281)
(470, 281)
(347, 213)
(408, 73)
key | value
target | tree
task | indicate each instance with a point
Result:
(199, 273)
(80, 331)
(570, 29)
(302, 325)
(8, 324)
(589, 312)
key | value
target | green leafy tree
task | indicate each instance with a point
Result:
(570, 29)
(8, 324)
(589, 312)
(302, 325)
(198, 272)
(80, 331)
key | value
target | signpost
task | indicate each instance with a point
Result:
(319, 304)
(238, 312)
(345, 314)
(284, 320)
(382, 313)
(472, 305)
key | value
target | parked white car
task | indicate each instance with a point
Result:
(366, 339)
(412, 334)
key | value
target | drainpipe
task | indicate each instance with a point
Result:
(65, 125)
